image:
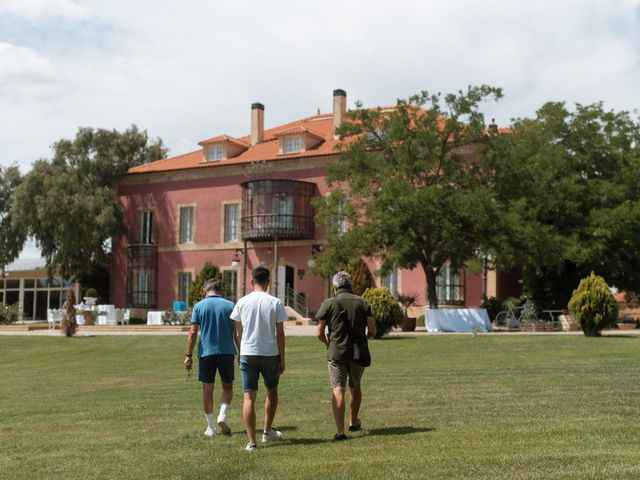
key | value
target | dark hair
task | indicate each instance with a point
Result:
(261, 275)
(213, 284)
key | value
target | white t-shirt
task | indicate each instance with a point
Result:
(259, 312)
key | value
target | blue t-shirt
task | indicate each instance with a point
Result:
(213, 314)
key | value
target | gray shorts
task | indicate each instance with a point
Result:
(338, 372)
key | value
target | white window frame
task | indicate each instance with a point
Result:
(186, 231)
(391, 280)
(446, 288)
(231, 231)
(215, 153)
(292, 144)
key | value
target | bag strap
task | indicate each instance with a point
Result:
(347, 321)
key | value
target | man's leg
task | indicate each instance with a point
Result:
(338, 409)
(354, 404)
(270, 407)
(207, 406)
(225, 400)
(249, 415)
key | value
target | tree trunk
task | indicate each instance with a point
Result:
(431, 287)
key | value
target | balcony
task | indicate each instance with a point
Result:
(141, 277)
(277, 209)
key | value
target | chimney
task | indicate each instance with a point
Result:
(257, 123)
(339, 108)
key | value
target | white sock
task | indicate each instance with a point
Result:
(209, 417)
(223, 410)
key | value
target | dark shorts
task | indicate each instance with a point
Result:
(252, 366)
(210, 364)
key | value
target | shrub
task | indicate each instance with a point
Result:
(593, 305)
(9, 314)
(209, 270)
(361, 278)
(420, 321)
(493, 306)
(171, 317)
(386, 310)
(91, 293)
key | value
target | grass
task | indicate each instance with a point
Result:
(435, 407)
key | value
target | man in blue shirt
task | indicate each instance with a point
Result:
(216, 350)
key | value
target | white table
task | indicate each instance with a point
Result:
(155, 317)
(457, 320)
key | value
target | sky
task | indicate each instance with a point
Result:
(187, 71)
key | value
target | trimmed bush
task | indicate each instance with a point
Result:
(209, 270)
(386, 309)
(9, 314)
(593, 305)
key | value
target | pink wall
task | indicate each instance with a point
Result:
(207, 194)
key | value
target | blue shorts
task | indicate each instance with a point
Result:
(210, 364)
(251, 366)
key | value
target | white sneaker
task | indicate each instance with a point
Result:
(251, 447)
(224, 426)
(271, 435)
(210, 432)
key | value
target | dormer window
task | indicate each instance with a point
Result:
(216, 153)
(292, 144)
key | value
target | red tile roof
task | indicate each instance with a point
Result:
(320, 126)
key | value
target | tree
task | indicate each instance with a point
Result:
(13, 231)
(69, 204)
(209, 271)
(361, 278)
(567, 183)
(593, 305)
(409, 187)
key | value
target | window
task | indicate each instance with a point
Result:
(146, 227)
(341, 222)
(184, 284)
(216, 153)
(230, 280)
(187, 215)
(390, 280)
(231, 222)
(292, 144)
(283, 208)
(450, 287)
(144, 294)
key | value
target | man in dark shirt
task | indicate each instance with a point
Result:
(339, 342)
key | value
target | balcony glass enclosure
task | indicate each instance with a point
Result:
(277, 209)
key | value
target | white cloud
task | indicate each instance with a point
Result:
(23, 72)
(37, 9)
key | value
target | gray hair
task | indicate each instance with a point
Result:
(342, 279)
(213, 285)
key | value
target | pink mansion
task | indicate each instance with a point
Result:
(244, 202)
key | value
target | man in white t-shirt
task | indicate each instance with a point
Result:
(259, 329)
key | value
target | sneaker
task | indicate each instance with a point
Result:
(224, 426)
(271, 436)
(338, 438)
(251, 447)
(356, 426)
(210, 432)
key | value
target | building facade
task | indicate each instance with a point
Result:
(243, 202)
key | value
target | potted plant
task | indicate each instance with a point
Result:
(91, 296)
(408, 301)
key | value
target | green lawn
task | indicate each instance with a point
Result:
(435, 407)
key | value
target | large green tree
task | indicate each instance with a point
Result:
(568, 183)
(13, 232)
(69, 204)
(409, 187)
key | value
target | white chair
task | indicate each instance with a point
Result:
(123, 315)
(106, 315)
(54, 315)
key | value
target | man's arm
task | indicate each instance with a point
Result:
(237, 334)
(191, 343)
(371, 327)
(322, 333)
(280, 338)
